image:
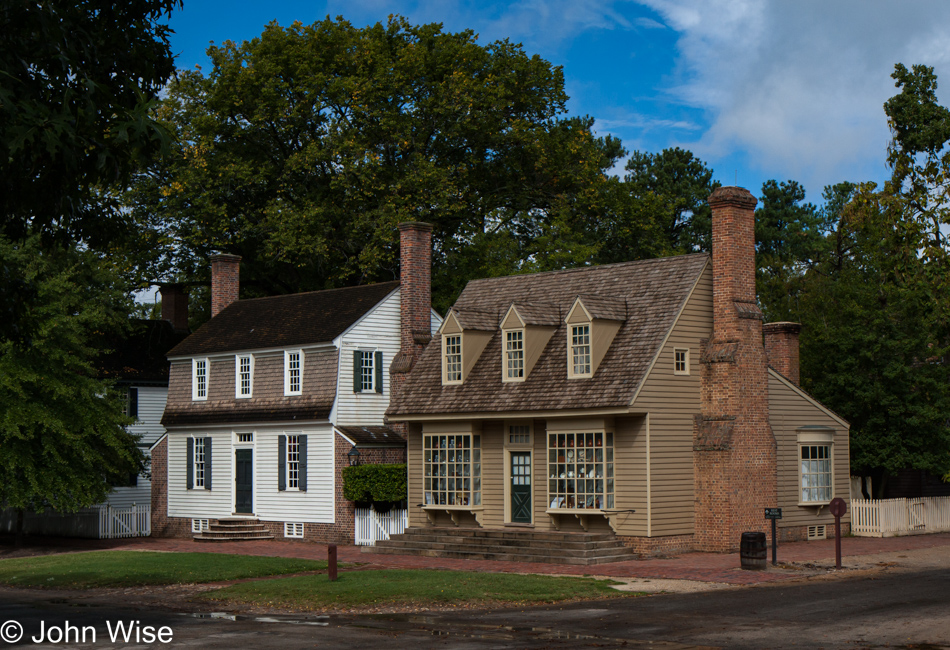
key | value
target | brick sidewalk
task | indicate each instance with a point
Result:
(706, 567)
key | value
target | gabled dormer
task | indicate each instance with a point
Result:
(525, 330)
(592, 323)
(465, 333)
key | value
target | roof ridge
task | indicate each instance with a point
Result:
(652, 260)
(307, 293)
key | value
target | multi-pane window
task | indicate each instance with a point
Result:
(244, 378)
(580, 349)
(245, 437)
(514, 354)
(130, 402)
(519, 434)
(367, 371)
(199, 383)
(581, 470)
(453, 470)
(816, 473)
(292, 372)
(199, 462)
(453, 358)
(293, 462)
(681, 361)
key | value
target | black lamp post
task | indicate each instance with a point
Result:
(354, 456)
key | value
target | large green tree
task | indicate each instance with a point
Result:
(301, 150)
(62, 441)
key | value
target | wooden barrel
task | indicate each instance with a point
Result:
(753, 552)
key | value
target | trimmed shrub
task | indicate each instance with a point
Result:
(376, 483)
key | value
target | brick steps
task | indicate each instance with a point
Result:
(505, 545)
(234, 530)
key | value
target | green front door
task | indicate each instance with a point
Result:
(521, 487)
(244, 481)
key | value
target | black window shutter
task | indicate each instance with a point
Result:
(281, 462)
(357, 376)
(208, 463)
(302, 467)
(378, 363)
(191, 463)
(133, 402)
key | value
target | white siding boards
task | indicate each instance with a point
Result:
(146, 403)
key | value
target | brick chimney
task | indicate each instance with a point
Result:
(415, 278)
(175, 306)
(781, 348)
(225, 281)
(733, 445)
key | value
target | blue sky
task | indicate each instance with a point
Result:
(757, 89)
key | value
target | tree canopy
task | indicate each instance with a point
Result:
(302, 150)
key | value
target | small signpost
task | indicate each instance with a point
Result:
(837, 508)
(331, 562)
(774, 514)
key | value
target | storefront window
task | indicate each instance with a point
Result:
(581, 470)
(453, 470)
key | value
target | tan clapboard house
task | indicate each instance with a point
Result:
(640, 402)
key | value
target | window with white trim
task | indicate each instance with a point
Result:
(681, 361)
(130, 402)
(514, 355)
(293, 529)
(293, 372)
(243, 375)
(580, 350)
(245, 437)
(293, 462)
(199, 379)
(199, 462)
(367, 371)
(816, 473)
(581, 470)
(453, 470)
(452, 361)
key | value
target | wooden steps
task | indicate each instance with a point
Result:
(506, 545)
(234, 529)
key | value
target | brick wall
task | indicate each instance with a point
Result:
(175, 306)
(162, 524)
(225, 281)
(781, 348)
(734, 448)
(659, 546)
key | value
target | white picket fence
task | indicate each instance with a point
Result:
(135, 521)
(893, 517)
(372, 526)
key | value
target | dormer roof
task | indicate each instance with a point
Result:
(645, 296)
(474, 319)
(534, 313)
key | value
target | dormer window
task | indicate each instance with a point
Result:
(464, 335)
(514, 355)
(243, 375)
(592, 324)
(580, 350)
(293, 372)
(452, 358)
(199, 379)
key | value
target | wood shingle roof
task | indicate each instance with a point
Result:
(284, 321)
(654, 292)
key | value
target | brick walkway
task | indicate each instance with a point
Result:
(707, 567)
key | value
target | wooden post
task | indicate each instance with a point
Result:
(331, 561)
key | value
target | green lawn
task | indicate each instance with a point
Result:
(133, 568)
(416, 587)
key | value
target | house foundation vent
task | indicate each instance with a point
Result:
(816, 532)
(199, 525)
(293, 530)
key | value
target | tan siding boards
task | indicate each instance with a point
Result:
(790, 410)
(672, 401)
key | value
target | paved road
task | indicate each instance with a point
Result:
(900, 608)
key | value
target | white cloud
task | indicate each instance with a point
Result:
(800, 85)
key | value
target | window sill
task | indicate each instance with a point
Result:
(462, 508)
(814, 504)
(575, 511)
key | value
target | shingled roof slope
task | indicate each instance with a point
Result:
(284, 321)
(654, 290)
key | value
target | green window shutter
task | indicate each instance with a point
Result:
(281, 463)
(302, 468)
(357, 378)
(208, 463)
(191, 463)
(378, 367)
(133, 402)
